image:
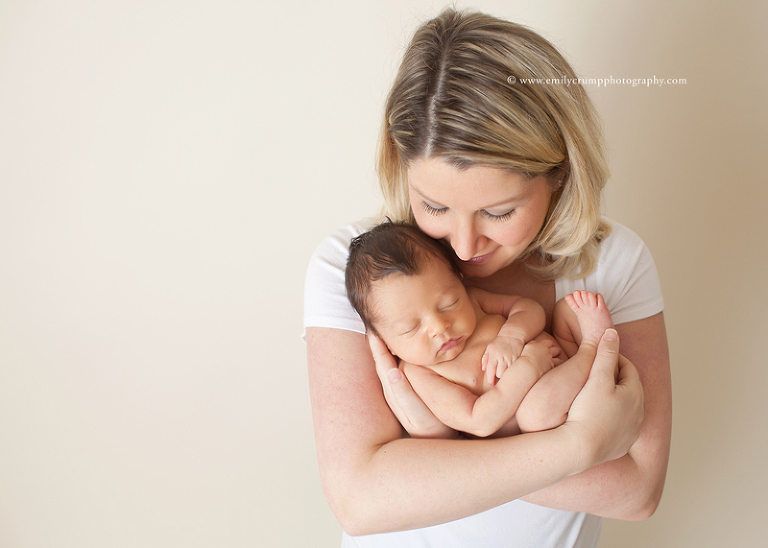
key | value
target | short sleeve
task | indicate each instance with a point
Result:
(325, 295)
(625, 275)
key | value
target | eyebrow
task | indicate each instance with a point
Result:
(399, 324)
(505, 202)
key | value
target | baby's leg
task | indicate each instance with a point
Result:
(592, 314)
(579, 317)
(578, 324)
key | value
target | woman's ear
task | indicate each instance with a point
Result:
(557, 175)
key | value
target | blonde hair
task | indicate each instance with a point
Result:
(459, 96)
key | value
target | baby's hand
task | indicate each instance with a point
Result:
(542, 354)
(499, 355)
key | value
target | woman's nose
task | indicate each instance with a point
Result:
(464, 239)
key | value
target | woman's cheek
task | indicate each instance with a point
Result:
(430, 226)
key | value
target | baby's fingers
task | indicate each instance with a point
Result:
(490, 369)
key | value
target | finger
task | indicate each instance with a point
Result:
(381, 356)
(386, 367)
(490, 374)
(399, 395)
(607, 357)
(408, 407)
(403, 393)
(627, 373)
(387, 370)
(484, 361)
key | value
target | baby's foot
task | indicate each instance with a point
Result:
(594, 317)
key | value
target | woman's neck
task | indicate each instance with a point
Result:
(516, 279)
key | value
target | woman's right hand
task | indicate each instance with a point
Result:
(407, 406)
(607, 413)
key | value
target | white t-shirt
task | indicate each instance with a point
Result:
(625, 276)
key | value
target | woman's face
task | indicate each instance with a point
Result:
(489, 216)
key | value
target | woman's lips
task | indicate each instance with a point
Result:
(481, 259)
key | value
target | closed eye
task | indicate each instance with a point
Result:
(435, 211)
(502, 217)
(448, 307)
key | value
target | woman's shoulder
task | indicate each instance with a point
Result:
(625, 275)
(622, 254)
(334, 248)
(619, 242)
(325, 295)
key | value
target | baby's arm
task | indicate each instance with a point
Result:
(525, 320)
(460, 409)
(579, 322)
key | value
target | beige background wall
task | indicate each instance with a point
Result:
(167, 168)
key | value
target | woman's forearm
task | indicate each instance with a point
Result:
(620, 489)
(375, 481)
(411, 483)
(629, 487)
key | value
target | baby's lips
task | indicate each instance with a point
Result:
(450, 344)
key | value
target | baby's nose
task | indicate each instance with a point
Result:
(438, 326)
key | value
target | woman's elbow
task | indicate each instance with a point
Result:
(648, 503)
(640, 512)
(351, 512)
(351, 522)
(643, 502)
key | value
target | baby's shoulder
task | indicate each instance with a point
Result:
(416, 374)
(483, 299)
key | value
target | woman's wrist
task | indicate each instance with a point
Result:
(579, 447)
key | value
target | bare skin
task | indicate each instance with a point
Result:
(628, 488)
(377, 479)
(458, 391)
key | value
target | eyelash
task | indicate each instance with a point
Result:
(502, 217)
(448, 307)
(434, 211)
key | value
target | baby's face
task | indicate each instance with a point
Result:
(424, 319)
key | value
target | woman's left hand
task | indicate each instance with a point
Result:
(407, 406)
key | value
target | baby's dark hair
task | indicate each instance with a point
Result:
(386, 249)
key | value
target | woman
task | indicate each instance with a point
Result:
(509, 175)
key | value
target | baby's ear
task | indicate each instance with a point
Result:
(370, 330)
(390, 350)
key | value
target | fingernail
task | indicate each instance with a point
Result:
(394, 376)
(611, 335)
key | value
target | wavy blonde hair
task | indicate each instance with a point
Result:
(459, 96)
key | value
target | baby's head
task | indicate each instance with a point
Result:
(408, 291)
